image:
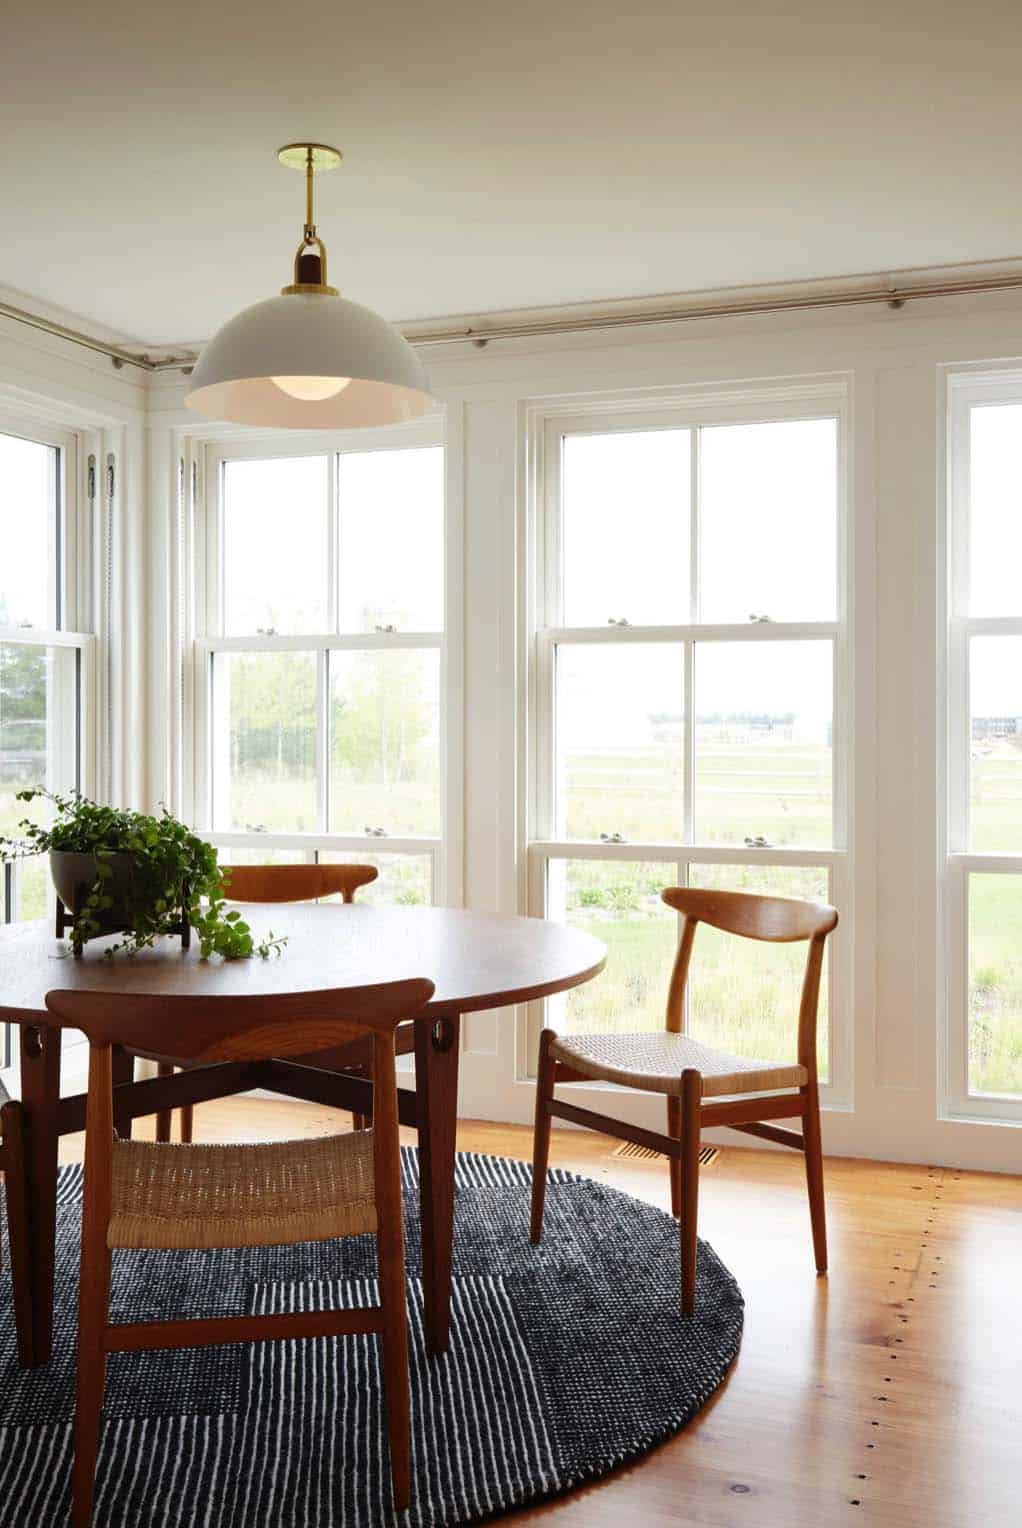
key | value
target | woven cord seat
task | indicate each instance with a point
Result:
(655, 1062)
(179, 1196)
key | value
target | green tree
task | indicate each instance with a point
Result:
(382, 723)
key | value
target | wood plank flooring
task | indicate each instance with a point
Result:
(888, 1393)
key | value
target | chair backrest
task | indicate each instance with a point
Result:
(294, 883)
(777, 920)
(238, 1028)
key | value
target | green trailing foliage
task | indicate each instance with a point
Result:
(174, 875)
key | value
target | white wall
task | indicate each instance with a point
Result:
(894, 361)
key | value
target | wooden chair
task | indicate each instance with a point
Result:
(276, 883)
(12, 1163)
(694, 1076)
(158, 1195)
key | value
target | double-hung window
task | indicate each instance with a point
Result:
(983, 862)
(691, 684)
(320, 680)
(44, 660)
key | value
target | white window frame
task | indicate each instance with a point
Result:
(201, 551)
(74, 601)
(828, 398)
(965, 391)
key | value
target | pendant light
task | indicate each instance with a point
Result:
(309, 359)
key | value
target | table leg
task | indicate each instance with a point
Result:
(436, 1083)
(40, 1095)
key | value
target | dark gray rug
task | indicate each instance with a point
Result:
(565, 1361)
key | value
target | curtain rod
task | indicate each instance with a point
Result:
(893, 296)
(117, 354)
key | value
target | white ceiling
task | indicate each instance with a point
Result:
(537, 152)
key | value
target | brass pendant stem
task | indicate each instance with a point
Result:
(310, 176)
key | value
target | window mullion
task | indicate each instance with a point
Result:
(960, 728)
(688, 699)
(323, 739)
(553, 602)
(545, 825)
(214, 546)
(839, 763)
(694, 527)
(333, 551)
(689, 744)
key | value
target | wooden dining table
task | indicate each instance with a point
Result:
(476, 961)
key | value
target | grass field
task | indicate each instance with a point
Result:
(995, 983)
(781, 792)
(996, 805)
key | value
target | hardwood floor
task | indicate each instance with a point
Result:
(886, 1393)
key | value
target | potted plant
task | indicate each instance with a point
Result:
(120, 871)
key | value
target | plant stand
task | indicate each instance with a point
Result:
(182, 929)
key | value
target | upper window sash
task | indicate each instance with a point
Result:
(210, 560)
(548, 544)
(981, 402)
(68, 562)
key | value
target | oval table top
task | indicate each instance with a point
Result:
(475, 960)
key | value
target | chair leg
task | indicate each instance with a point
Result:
(674, 1163)
(395, 1373)
(691, 1103)
(361, 1121)
(17, 1231)
(93, 1316)
(541, 1134)
(164, 1116)
(123, 1067)
(92, 1320)
(814, 1174)
(390, 1251)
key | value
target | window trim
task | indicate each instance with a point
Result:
(957, 861)
(546, 425)
(203, 535)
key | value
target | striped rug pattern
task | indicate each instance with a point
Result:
(565, 1361)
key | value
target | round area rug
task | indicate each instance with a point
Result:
(565, 1361)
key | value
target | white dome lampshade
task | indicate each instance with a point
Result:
(309, 359)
